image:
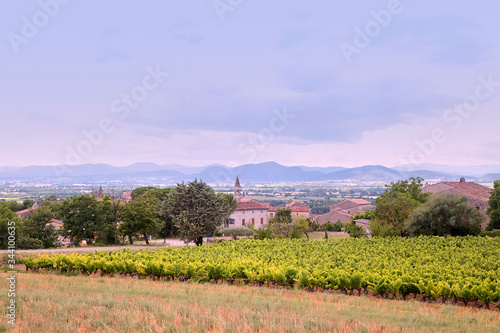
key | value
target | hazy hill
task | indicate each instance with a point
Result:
(260, 172)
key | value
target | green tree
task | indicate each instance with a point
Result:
(354, 230)
(413, 187)
(14, 206)
(141, 217)
(160, 193)
(445, 214)
(110, 210)
(195, 209)
(230, 203)
(390, 214)
(36, 226)
(303, 226)
(494, 209)
(83, 218)
(12, 225)
(394, 206)
(168, 229)
(28, 203)
(282, 223)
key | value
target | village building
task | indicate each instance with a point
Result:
(126, 197)
(258, 214)
(26, 212)
(344, 211)
(477, 195)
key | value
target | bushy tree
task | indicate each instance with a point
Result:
(394, 206)
(231, 203)
(9, 219)
(141, 217)
(111, 216)
(329, 226)
(85, 218)
(160, 193)
(445, 214)
(494, 209)
(264, 233)
(413, 187)
(353, 230)
(391, 213)
(36, 226)
(303, 226)
(282, 223)
(196, 210)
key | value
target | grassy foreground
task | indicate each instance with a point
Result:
(50, 302)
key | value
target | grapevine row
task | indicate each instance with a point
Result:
(465, 269)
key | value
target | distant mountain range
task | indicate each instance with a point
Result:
(252, 173)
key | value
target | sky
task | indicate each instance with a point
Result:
(316, 83)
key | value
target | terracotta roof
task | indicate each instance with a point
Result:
(349, 203)
(469, 189)
(360, 201)
(300, 209)
(344, 213)
(247, 205)
(24, 212)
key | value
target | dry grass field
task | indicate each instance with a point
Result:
(49, 302)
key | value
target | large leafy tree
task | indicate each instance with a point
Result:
(9, 220)
(412, 186)
(282, 223)
(168, 228)
(195, 209)
(85, 218)
(36, 226)
(390, 214)
(141, 217)
(394, 206)
(108, 228)
(160, 193)
(230, 203)
(445, 214)
(494, 209)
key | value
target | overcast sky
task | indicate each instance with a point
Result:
(318, 83)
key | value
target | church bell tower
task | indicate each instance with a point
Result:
(237, 190)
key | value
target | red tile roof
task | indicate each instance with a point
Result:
(24, 212)
(469, 189)
(360, 201)
(344, 213)
(248, 205)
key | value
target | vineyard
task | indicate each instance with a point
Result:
(458, 269)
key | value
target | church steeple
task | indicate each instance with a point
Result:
(237, 189)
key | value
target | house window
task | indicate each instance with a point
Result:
(230, 221)
(243, 222)
(253, 221)
(253, 211)
(261, 220)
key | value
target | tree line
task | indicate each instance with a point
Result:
(189, 211)
(403, 210)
